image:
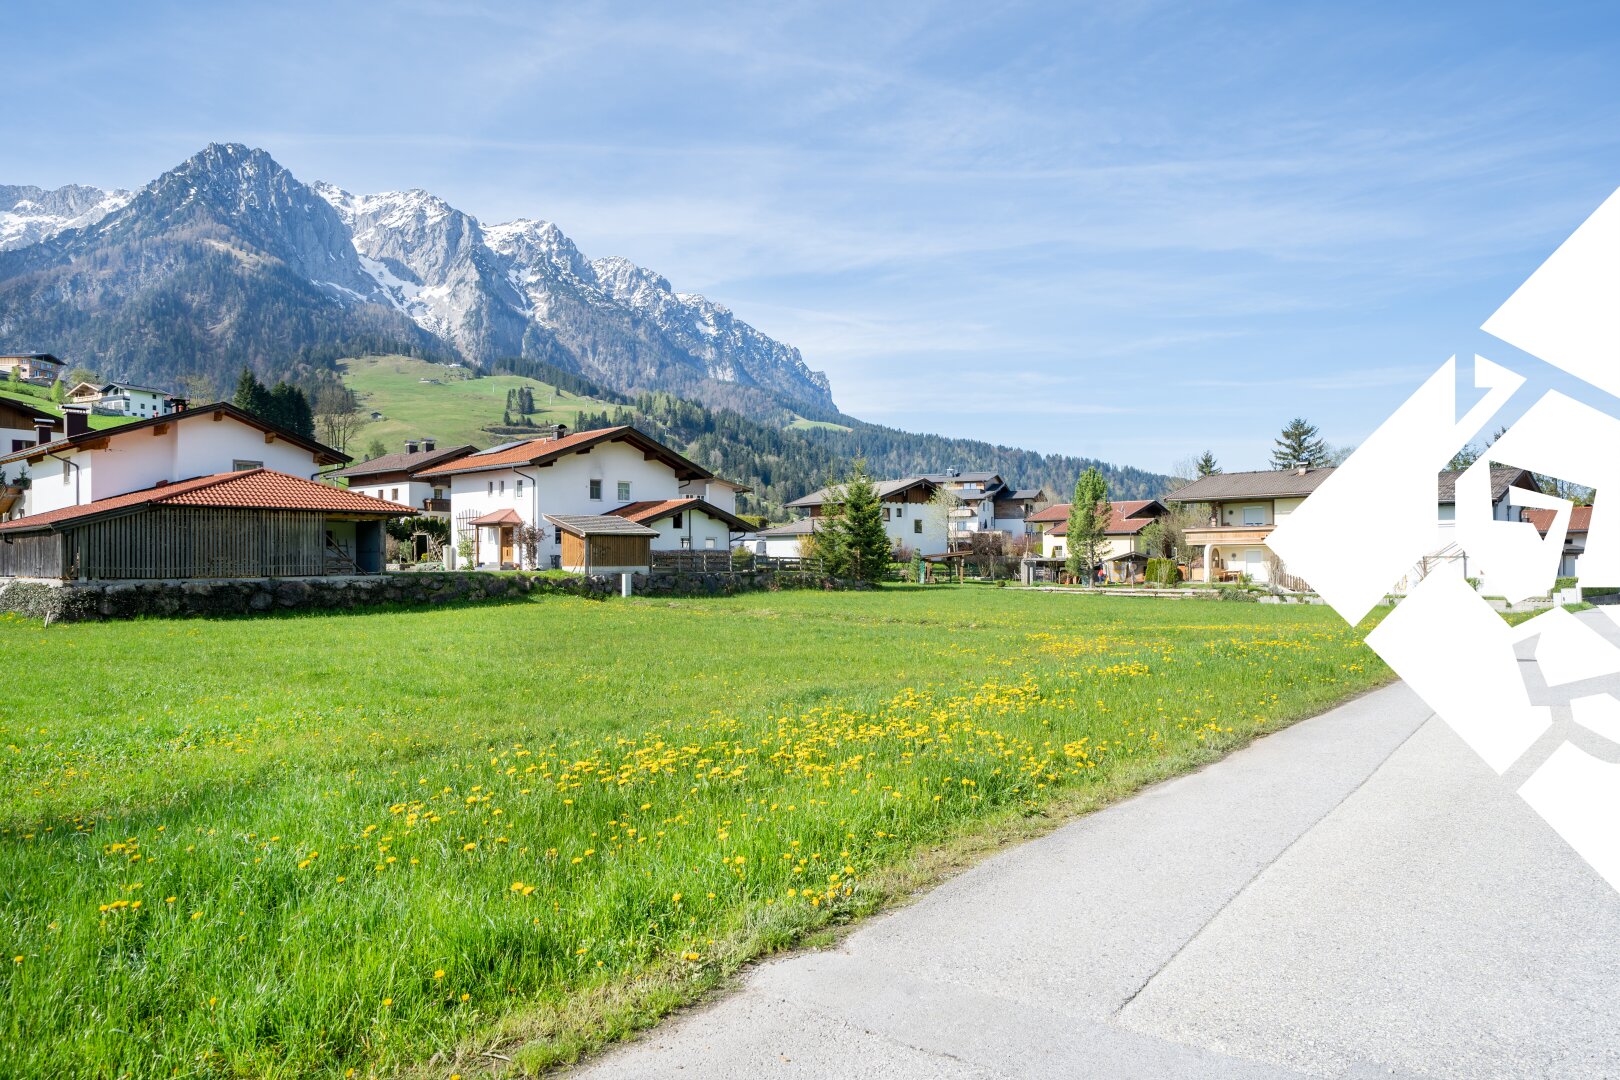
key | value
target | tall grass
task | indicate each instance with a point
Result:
(302, 845)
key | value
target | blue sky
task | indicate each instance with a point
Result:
(1124, 230)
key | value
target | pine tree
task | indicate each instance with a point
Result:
(1088, 518)
(290, 408)
(251, 396)
(865, 541)
(829, 542)
(1299, 445)
(1206, 464)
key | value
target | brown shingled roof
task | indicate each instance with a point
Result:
(539, 451)
(1124, 518)
(656, 509)
(249, 489)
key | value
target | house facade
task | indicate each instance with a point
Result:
(687, 523)
(909, 519)
(398, 477)
(983, 502)
(495, 494)
(1580, 523)
(32, 367)
(23, 424)
(125, 399)
(1243, 509)
(84, 465)
(1124, 554)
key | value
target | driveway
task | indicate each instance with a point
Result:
(1356, 896)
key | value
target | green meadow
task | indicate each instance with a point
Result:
(430, 842)
(452, 409)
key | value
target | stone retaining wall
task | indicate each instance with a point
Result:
(80, 601)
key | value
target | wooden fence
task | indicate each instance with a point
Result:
(35, 556)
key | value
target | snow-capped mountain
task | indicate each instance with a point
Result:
(31, 214)
(229, 259)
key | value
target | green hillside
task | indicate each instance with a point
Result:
(418, 399)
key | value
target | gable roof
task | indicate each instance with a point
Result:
(802, 527)
(1265, 484)
(599, 525)
(541, 451)
(323, 454)
(404, 462)
(964, 478)
(1124, 518)
(885, 489)
(1020, 495)
(649, 510)
(30, 410)
(249, 489)
(1502, 478)
(1580, 520)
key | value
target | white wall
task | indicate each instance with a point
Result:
(412, 493)
(704, 532)
(141, 458)
(563, 488)
(716, 493)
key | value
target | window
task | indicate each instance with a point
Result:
(624, 491)
(708, 542)
(438, 493)
(492, 487)
(242, 466)
(885, 513)
(520, 489)
(1254, 515)
(900, 511)
(916, 525)
(18, 444)
(677, 521)
(395, 495)
(686, 543)
(596, 489)
(503, 487)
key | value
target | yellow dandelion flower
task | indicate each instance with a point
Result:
(439, 974)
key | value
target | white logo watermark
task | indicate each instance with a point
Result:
(1374, 522)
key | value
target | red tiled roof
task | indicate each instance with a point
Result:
(653, 509)
(535, 451)
(1122, 519)
(250, 489)
(1580, 519)
(498, 517)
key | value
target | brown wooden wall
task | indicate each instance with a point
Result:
(197, 542)
(39, 555)
(573, 549)
(621, 551)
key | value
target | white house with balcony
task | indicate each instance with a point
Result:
(496, 495)
(125, 399)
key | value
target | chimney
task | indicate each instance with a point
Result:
(560, 431)
(75, 419)
(1302, 470)
(427, 445)
(410, 446)
(44, 431)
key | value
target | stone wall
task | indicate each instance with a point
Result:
(80, 601)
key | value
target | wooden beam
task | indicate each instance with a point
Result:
(269, 437)
(160, 429)
(218, 416)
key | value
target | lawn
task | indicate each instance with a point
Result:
(387, 842)
(454, 410)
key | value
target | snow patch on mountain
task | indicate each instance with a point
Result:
(30, 214)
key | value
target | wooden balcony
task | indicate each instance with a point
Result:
(1229, 534)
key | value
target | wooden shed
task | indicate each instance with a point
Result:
(603, 544)
(252, 523)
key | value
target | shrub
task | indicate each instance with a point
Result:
(742, 558)
(1162, 572)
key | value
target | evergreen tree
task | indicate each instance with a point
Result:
(251, 396)
(1088, 518)
(1299, 445)
(865, 541)
(290, 408)
(829, 543)
(1206, 464)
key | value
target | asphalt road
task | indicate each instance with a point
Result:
(1357, 896)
